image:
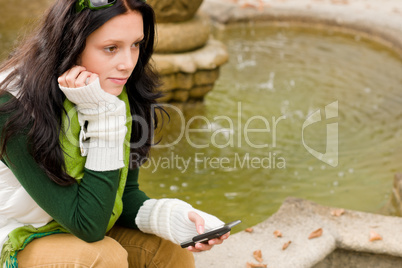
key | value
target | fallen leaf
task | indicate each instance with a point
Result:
(258, 255)
(247, 5)
(337, 212)
(256, 265)
(278, 233)
(285, 246)
(249, 230)
(374, 236)
(315, 234)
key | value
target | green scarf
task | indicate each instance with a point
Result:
(20, 237)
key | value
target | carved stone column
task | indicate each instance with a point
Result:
(187, 59)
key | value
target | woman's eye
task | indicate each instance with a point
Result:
(137, 44)
(111, 49)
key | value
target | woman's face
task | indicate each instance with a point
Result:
(112, 51)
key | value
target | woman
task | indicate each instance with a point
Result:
(67, 132)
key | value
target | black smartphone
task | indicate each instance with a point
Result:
(205, 237)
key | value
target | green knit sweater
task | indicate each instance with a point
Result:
(84, 209)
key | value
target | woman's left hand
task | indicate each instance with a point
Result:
(199, 224)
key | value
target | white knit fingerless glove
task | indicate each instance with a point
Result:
(168, 218)
(106, 130)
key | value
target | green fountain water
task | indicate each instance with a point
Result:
(246, 146)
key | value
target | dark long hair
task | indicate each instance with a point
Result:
(52, 50)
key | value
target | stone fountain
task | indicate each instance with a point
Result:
(186, 57)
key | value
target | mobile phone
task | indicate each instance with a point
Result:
(205, 237)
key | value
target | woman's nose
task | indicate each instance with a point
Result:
(127, 61)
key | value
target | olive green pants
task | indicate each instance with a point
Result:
(121, 248)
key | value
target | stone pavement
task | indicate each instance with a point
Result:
(345, 240)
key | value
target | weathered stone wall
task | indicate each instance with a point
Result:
(181, 87)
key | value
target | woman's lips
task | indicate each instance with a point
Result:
(119, 81)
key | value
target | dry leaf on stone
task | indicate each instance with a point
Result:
(337, 212)
(285, 246)
(249, 230)
(374, 236)
(256, 265)
(315, 234)
(258, 255)
(247, 5)
(278, 233)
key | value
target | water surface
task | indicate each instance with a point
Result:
(276, 78)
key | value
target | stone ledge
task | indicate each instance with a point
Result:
(380, 20)
(296, 219)
(344, 258)
(209, 57)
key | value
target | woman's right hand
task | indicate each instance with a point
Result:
(77, 77)
(84, 90)
(105, 114)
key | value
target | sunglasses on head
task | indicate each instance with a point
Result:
(93, 4)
